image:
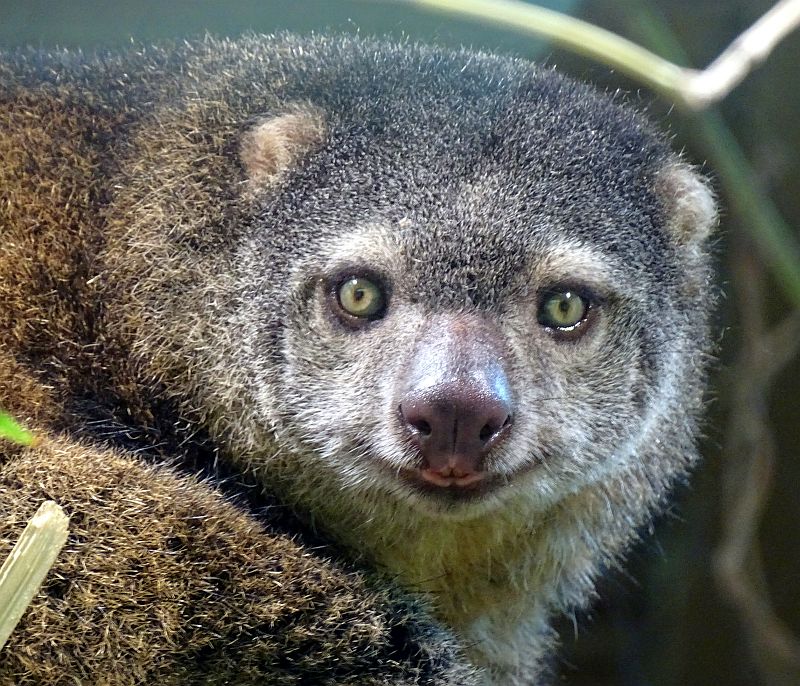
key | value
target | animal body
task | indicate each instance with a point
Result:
(353, 362)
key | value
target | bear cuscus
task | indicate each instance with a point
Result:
(351, 362)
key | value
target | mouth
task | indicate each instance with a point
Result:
(452, 489)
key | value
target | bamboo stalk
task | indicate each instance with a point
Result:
(25, 568)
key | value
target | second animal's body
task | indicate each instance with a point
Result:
(449, 308)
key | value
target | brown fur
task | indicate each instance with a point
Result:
(163, 582)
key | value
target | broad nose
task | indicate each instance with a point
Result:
(455, 424)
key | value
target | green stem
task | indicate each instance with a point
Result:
(775, 240)
(575, 35)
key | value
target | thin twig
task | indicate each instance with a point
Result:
(745, 53)
(691, 88)
(775, 239)
(571, 33)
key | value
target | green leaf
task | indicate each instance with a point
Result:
(14, 432)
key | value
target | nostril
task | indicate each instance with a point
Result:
(422, 426)
(411, 418)
(491, 429)
(486, 432)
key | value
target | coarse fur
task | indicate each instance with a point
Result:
(173, 220)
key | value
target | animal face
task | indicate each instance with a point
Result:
(460, 340)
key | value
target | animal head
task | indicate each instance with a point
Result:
(476, 280)
(447, 279)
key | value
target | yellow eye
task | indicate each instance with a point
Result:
(562, 310)
(361, 297)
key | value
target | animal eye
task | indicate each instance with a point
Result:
(562, 310)
(361, 298)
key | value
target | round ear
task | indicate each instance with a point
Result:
(274, 145)
(690, 203)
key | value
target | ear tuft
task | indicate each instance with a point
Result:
(690, 202)
(274, 145)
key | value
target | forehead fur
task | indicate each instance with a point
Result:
(483, 154)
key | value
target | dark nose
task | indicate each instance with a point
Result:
(455, 424)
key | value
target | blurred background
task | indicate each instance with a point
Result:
(712, 595)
